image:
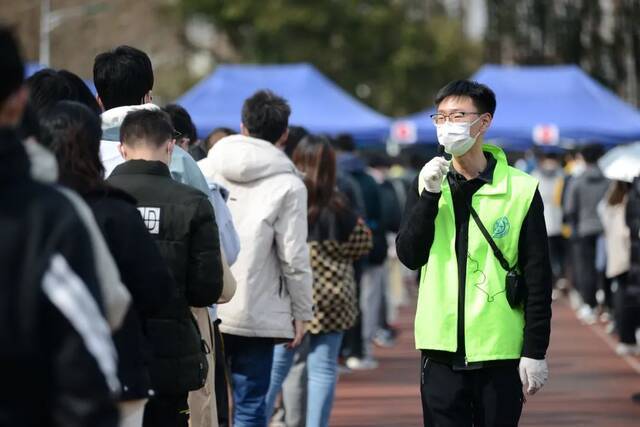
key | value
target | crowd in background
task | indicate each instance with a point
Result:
(152, 271)
(162, 270)
(593, 239)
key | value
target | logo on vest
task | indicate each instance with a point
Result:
(501, 227)
(151, 217)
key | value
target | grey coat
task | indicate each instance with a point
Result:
(583, 195)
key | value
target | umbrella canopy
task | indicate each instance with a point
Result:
(316, 102)
(621, 163)
(548, 105)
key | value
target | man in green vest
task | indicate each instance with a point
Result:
(475, 228)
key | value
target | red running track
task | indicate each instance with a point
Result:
(589, 384)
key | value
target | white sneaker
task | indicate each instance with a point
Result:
(363, 364)
(623, 349)
(587, 315)
(575, 300)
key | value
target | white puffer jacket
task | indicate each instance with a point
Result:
(268, 203)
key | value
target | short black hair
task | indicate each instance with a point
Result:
(181, 121)
(152, 126)
(592, 152)
(296, 133)
(482, 96)
(344, 142)
(122, 76)
(265, 115)
(11, 65)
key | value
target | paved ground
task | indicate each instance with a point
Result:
(589, 385)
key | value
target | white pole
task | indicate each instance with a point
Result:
(45, 32)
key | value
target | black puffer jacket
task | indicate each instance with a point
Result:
(49, 307)
(633, 222)
(144, 273)
(182, 222)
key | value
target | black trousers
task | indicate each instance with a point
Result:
(352, 343)
(166, 411)
(627, 309)
(222, 375)
(589, 279)
(486, 397)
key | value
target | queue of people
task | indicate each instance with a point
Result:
(168, 270)
(155, 279)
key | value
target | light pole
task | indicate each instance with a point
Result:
(50, 20)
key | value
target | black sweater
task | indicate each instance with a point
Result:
(416, 236)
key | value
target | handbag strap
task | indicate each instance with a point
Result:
(496, 250)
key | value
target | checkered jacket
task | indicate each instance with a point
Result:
(334, 287)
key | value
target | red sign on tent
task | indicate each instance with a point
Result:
(546, 134)
(404, 132)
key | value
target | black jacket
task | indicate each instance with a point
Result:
(49, 374)
(416, 235)
(182, 222)
(632, 215)
(144, 273)
(368, 192)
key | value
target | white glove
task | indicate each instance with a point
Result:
(533, 374)
(432, 173)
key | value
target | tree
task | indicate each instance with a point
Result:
(392, 54)
(603, 37)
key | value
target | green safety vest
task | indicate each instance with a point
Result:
(492, 329)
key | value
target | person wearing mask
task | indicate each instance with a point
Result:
(73, 133)
(475, 227)
(60, 368)
(268, 203)
(337, 237)
(182, 222)
(550, 176)
(584, 194)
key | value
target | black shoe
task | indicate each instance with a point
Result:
(636, 398)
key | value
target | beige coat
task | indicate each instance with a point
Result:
(268, 203)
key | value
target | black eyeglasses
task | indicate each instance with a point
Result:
(455, 117)
(175, 134)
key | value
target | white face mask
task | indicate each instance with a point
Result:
(456, 137)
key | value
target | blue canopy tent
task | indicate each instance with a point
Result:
(547, 105)
(316, 102)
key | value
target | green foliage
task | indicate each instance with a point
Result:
(394, 54)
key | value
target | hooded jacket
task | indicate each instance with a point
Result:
(268, 203)
(183, 168)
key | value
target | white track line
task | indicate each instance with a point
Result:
(632, 361)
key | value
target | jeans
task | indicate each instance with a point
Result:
(322, 366)
(374, 282)
(249, 360)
